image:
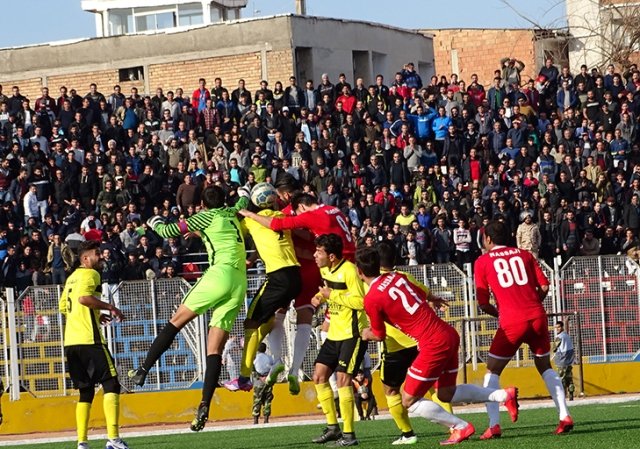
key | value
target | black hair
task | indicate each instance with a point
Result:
(368, 261)
(560, 323)
(331, 243)
(213, 197)
(304, 199)
(387, 253)
(287, 183)
(90, 245)
(262, 347)
(498, 232)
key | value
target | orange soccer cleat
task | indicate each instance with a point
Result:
(459, 435)
(512, 403)
(492, 432)
(565, 426)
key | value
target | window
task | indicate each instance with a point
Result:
(216, 14)
(190, 14)
(233, 14)
(150, 19)
(120, 22)
(131, 74)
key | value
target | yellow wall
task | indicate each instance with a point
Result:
(55, 414)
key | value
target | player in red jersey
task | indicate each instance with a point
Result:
(519, 286)
(392, 298)
(305, 247)
(320, 219)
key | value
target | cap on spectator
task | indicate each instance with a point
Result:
(285, 109)
(411, 64)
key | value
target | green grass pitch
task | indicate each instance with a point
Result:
(614, 426)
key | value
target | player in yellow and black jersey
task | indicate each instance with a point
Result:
(88, 358)
(343, 350)
(398, 354)
(283, 283)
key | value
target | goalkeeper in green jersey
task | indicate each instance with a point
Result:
(221, 288)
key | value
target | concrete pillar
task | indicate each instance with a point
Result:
(301, 7)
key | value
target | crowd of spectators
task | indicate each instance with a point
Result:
(555, 157)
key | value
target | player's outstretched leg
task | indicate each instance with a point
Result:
(162, 342)
(424, 408)
(472, 394)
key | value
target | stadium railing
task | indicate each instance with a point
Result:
(604, 290)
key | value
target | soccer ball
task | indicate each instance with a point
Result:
(263, 195)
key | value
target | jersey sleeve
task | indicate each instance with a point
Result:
(374, 313)
(353, 297)
(482, 285)
(88, 286)
(296, 221)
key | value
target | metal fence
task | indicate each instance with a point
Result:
(604, 290)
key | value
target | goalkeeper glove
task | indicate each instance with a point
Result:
(244, 192)
(155, 221)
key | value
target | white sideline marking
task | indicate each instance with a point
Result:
(459, 410)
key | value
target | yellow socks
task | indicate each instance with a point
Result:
(111, 406)
(399, 414)
(82, 420)
(433, 395)
(251, 342)
(345, 395)
(325, 397)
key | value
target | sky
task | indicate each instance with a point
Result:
(56, 20)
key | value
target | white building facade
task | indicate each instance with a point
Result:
(118, 17)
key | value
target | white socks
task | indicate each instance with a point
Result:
(300, 345)
(493, 409)
(556, 390)
(276, 337)
(436, 414)
(472, 393)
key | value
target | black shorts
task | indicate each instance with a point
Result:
(89, 365)
(276, 292)
(395, 366)
(344, 356)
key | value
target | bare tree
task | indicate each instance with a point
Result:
(600, 32)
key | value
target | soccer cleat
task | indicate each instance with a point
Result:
(405, 440)
(330, 433)
(83, 445)
(116, 443)
(512, 403)
(348, 439)
(274, 372)
(294, 385)
(459, 435)
(565, 426)
(202, 415)
(492, 432)
(239, 384)
(138, 376)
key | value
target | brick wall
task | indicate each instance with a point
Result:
(280, 67)
(30, 88)
(480, 51)
(171, 75)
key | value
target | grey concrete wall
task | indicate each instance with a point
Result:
(333, 42)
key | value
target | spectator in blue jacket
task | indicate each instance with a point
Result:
(422, 121)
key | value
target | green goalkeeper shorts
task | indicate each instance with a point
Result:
(222, 290)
